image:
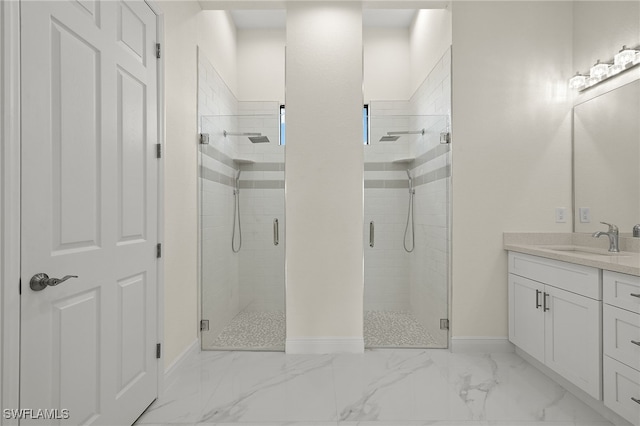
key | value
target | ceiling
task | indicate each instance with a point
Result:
(276, 18)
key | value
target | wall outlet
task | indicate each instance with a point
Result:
(561, 215)
(585, 215)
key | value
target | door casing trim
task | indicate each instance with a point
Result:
(10, 204)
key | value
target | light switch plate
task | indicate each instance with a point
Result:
(561, 215)
(585, 215)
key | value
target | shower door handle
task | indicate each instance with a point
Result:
(276, 232)
(372, 237)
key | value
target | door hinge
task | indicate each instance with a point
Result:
(158, 350)
(158, 50)
(158, 150)
(204, 138)
(204, 325)
(158, 250)
(445, 137)
(444, 324)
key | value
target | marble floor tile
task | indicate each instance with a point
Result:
(275, 387)
(382, 387)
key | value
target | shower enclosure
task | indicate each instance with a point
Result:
(242, 230)
(407, 183)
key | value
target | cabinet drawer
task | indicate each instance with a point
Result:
(622, 390)
(579, 279)
(620, 330)
(621, 290)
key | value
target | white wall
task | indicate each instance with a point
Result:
(261, 65)
(511, 144)
(600, 28)
(386, 64)
(430, 37)
(323, 179)
(181, 310)
(217, 40)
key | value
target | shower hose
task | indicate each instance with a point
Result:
(406, 228)
(236, 214)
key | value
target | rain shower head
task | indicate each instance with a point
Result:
(389, 138)
(259, 139)
(407, 132)
(253, 137)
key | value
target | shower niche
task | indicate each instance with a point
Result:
(242, 229)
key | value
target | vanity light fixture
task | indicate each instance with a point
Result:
(601, 71)
(578, 80)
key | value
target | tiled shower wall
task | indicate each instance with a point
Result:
(394, 279)
(429, 264)
(386, 272)
(261, 202)
(219, 265)
(254, 277)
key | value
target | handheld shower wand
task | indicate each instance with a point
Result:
(236, 215)
(410, 216)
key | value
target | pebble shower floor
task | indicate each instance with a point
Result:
(265, 330)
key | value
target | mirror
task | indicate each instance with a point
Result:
(606, 155)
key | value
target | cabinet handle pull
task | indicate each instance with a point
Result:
(544, 300)
(636, 400)
(635, 342)
(635, 294)
(538, 305)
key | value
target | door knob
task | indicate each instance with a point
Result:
(41, 281)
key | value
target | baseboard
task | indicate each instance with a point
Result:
(325, 345)
(172, 372)
(481, 344)
(576, 391)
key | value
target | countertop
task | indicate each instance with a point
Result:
(558, 246)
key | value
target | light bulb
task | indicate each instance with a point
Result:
(577, 81)
(625, 56)
(598, 70)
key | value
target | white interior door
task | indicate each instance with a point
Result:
(89, 206)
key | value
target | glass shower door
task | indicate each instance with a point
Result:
(407, 227)
(242, 233)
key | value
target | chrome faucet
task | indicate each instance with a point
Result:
(612, 233)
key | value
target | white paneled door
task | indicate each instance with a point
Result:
(89, 206)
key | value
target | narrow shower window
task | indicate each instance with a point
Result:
(365, 123)
(282, 125)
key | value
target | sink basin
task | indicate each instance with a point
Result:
(584, 251)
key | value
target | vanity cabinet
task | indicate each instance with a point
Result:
(621, 344)
(555, 316)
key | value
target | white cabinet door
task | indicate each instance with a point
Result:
(526, 316)
(572, 338)
(89, 208)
